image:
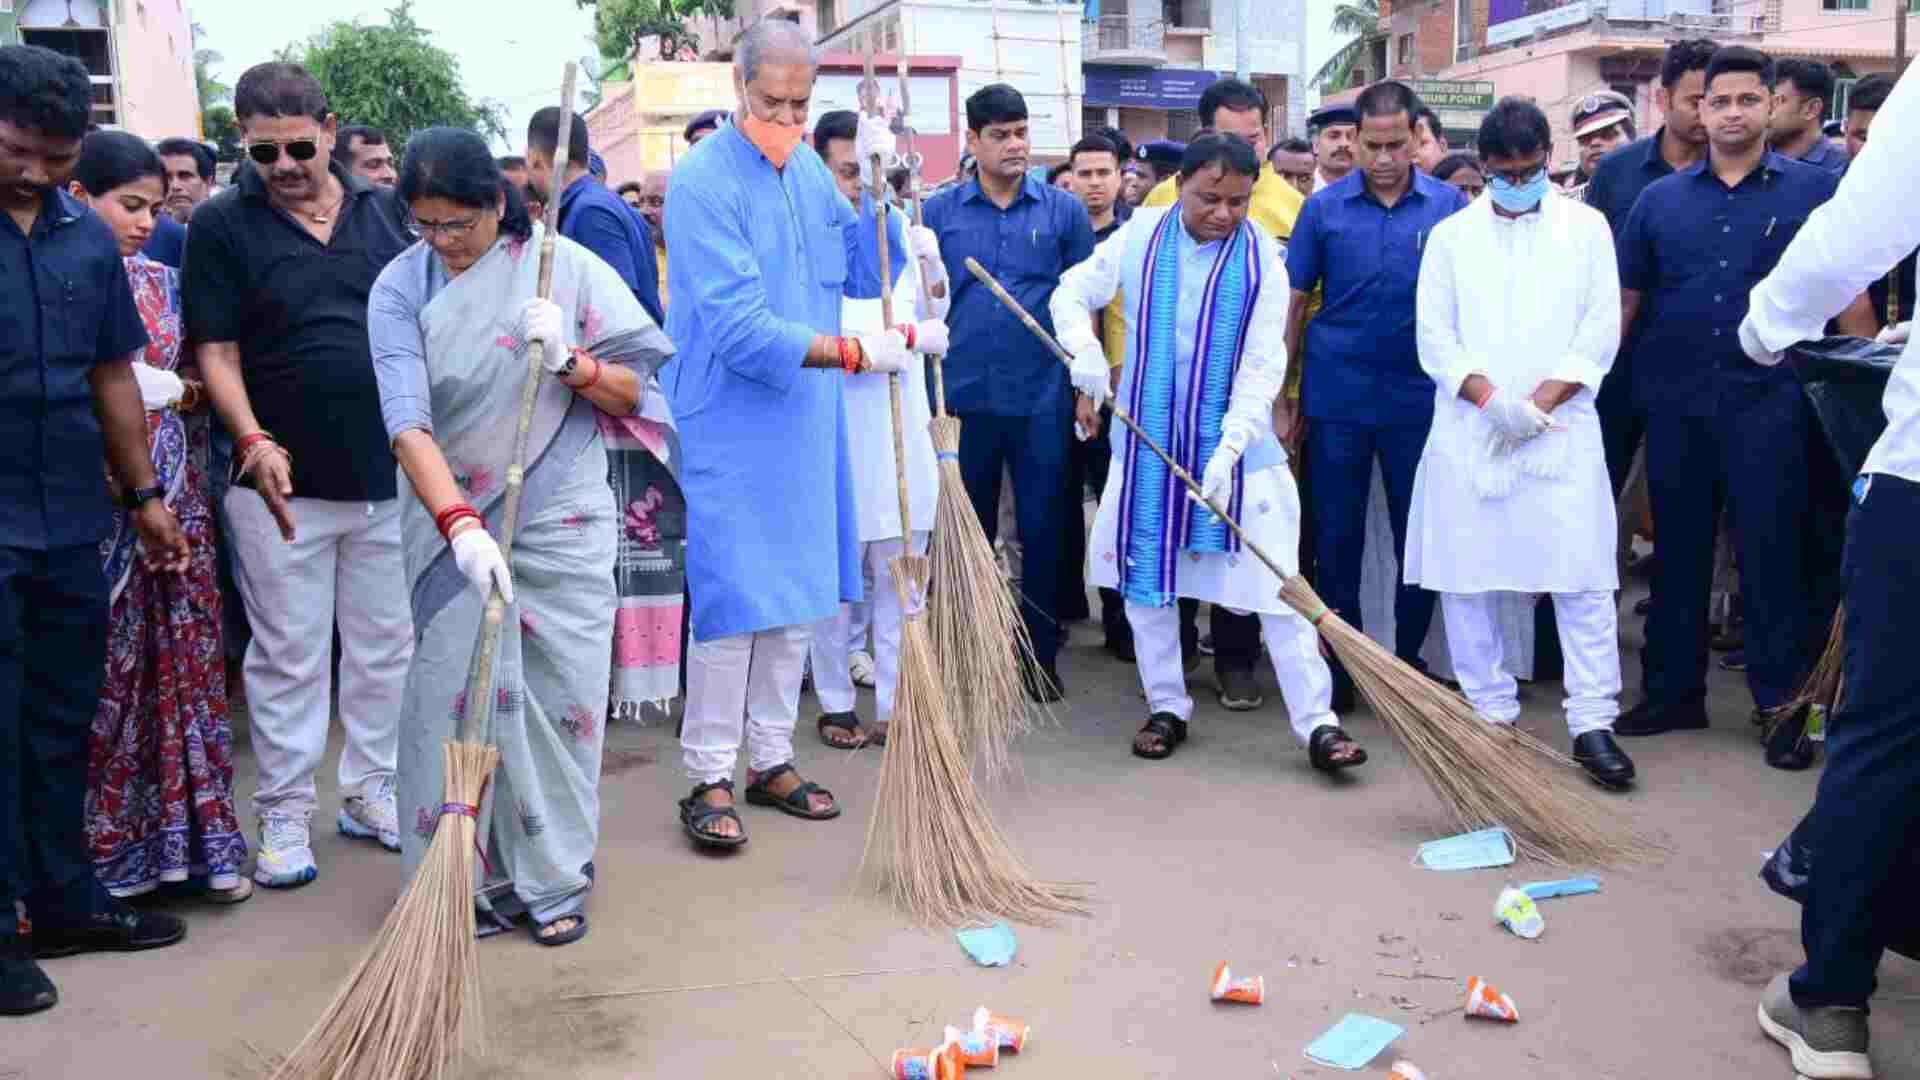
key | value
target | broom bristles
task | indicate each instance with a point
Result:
(974, 622)
(412, 1003)
(1825, 685)
(1484, 774)
(932, 846)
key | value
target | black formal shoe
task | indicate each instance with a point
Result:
(1044, 686)
(1647, 718)
(121, 928)
(24, 988)
(1603, 759)
(1239, 691)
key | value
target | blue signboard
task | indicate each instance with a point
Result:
(1146, 88)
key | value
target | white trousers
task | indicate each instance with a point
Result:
(1588, 642)
(343, 566)
(832, 638)
(1306, 684)
(750, 680)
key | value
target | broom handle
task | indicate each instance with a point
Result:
(919, 216)
(480, 676)
(893, 378)
(1120, 414)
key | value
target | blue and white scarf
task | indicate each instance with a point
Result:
(1157, 520)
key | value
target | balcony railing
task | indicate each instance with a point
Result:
(1123, 35)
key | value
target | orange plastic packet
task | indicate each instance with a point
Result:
(938, 1064)
(1245, 991)
(1011, 1034)
(1484, 1000)
(1406, 1070)
(978, 1049)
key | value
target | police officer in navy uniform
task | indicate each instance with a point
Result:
(68, 331)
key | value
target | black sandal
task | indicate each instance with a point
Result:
(564, 937)
(1169, 729)
(793, 802)
(1325, 742)
(696, 815)
(849, 723)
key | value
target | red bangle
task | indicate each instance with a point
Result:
(907, 331)
(240, 444)
(446, 519)
(851, 356)
(596, 374)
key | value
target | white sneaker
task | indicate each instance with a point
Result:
(860, 667)
(285, 857)
(373, 815)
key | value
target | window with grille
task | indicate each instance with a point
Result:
(1844, 5)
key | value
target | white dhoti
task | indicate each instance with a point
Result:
(750, 682)
(1589, 642)
(1306, 685)
(832, 638)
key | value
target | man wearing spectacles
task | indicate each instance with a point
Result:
(279, 268)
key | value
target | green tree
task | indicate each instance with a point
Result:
(212, 91)
(1360, 21)
(393, 77)
(620, 25)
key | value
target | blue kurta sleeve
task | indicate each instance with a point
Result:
(399, 351)
(728, 297)
(1303, 250)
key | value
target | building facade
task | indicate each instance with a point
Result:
(139, 52)
(1147, 61)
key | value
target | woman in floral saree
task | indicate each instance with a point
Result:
(451, 320)
(159, 805)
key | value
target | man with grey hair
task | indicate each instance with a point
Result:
(760, 239)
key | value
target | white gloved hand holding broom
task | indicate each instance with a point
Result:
(1216, 481)
(886, 351)
(478, 557)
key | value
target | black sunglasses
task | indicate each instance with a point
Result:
(266, 153)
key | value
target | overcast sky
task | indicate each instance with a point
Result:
(514, 60)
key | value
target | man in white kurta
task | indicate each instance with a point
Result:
(1518, 319)
(1205, 357)
(913, 257)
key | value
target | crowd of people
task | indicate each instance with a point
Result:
(1362, 340)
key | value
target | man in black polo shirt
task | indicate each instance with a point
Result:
(1617, 182)
(68, 328)
(275, 295)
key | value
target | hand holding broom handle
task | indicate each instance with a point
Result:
(1121, 415)
(480, 675)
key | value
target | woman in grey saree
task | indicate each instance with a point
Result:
(450, 321)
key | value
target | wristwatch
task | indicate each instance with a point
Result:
(138, 497)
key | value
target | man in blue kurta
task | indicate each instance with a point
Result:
(758, 243)
(1011, 395)
(1363, 391)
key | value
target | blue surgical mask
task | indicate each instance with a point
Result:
(1518, 198)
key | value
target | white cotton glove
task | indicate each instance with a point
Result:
(545, 322)
(933, 271)
(925, 245)
(1895, 334)
(1750, 344)
(1216, 480)
(930, 337)
(886, 351)
(478, 557)
(1090, 374)
(1517, 418)
(874, 137)
(158, 389)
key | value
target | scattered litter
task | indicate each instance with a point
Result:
(978, 1049)
(990, 946)
(1406, 1070)
(1516, 910)
(1293, 961)
(1468, 851)
(1436, 976)
(1488, 1003)
(1547, 890)
(1011, 1034)
(1438, 1013)
(1405, 1002)
(1390, 939)
(1245, 991)
(939, 1064)
(1451, 916)
(1354, 1041)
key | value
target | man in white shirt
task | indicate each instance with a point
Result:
(1205, 315)
(1518, 318)
(1869, 799)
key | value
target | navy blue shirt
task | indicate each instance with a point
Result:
(1361, 363)
(1621, 175)
(1825, 155)
(995, 366)
(1693, 249)
(168, 244)
(603, 223)
(65, 307)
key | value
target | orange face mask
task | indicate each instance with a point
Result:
(776, 141)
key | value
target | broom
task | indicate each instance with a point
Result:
(972, 615)
(1484, 774)
(931, 841)
(414, 999)
(1824, 686)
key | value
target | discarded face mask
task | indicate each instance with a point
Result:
(1517, 911)
(1245, 991)
(1468, 851)
(1485, 1001)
